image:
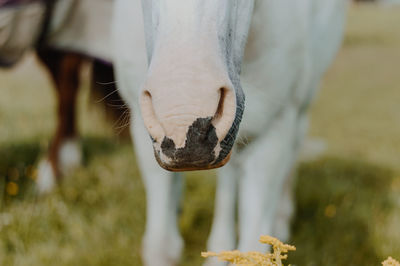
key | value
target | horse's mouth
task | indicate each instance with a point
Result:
(176, 167)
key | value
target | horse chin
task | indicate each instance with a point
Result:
(192, 167)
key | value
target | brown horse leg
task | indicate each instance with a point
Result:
(64, 153)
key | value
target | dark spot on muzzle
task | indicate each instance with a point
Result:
(198, 151)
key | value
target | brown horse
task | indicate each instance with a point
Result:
(64, 65)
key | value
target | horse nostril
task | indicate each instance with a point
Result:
(146, 99)
(149, 116)
(220, 109)
(147, 94)
(225, 112)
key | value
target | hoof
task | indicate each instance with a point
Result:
(70, 157)
(155, 253)
(214, 262)
(46, 178)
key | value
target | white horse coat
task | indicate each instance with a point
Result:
(290, 45)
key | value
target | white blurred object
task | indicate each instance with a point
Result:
(70, 156)
(82, 26)
(312, 149)
(46, 179)
(20, 26)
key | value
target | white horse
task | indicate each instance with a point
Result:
(200, 55)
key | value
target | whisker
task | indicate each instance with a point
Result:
(108, 95)
(106, 83)
(124, 125)
(122, 122)
(117, 106)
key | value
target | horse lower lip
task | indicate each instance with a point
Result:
(174, 168)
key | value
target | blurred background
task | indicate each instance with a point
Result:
(347, 202)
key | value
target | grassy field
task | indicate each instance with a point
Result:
(348, 203)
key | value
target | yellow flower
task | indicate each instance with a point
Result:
(390, 262)
(12, 188)
(254, 258)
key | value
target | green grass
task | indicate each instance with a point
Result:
(342, 206)
(357, 111)
(348, 203)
